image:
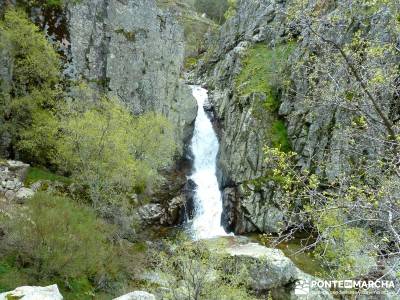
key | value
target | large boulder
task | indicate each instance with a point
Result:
(266, 269)
(50, 292)
(151, 213)
(137, 295)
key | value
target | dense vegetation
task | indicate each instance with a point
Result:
(54, 236)
(353, 217)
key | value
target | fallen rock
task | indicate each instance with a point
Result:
(137, 295)
(50, 292)
(23, 194)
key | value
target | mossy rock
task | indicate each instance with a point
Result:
(263, 72)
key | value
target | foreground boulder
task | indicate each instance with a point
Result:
(267, 270)
(50, 292)
(137, 295)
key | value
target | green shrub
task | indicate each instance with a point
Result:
(114, 153)
(52, 237)
(46, 3)
(28, 113)
(36, 63)
(193, 270)
(262, 72)
(214, 9)
(279, 137)
(232, 9)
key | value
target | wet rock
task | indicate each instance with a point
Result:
(189, 191)
(50, 292)
(168, 214)
(151, 213)
(173, 211)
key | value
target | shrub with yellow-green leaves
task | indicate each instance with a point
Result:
(113, 152)
(53, 237)
(28, 112)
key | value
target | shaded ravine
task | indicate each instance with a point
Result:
(206, 222)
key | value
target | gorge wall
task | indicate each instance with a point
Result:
(137, 59)
(306, 115)
(128, 49)
(134, 51)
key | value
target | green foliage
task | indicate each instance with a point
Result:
(35, 174)
(47, 3)
(194, 272)
(190, 63)
(346, 250)
(262, 72)
(36, 63)
(214, 9)
(232, 8)
(53, 239)
(112, 152)
(279, 137)
(36, 126)
(29, 113)
(11, 276)
(48, 236)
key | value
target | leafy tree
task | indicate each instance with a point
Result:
(27, 108)
(36, 63)
(113, 152)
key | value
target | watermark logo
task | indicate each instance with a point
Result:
(302, 287)
(365, 287)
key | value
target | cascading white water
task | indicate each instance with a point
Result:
(208, 202)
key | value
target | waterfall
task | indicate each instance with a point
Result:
(208, 202)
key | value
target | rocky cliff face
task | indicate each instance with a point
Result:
(132, 50)
(317, 127)
(128, 49)
(242, 133)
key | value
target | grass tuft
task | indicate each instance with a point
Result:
(35, 174)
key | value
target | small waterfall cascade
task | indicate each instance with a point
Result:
(208, 202)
